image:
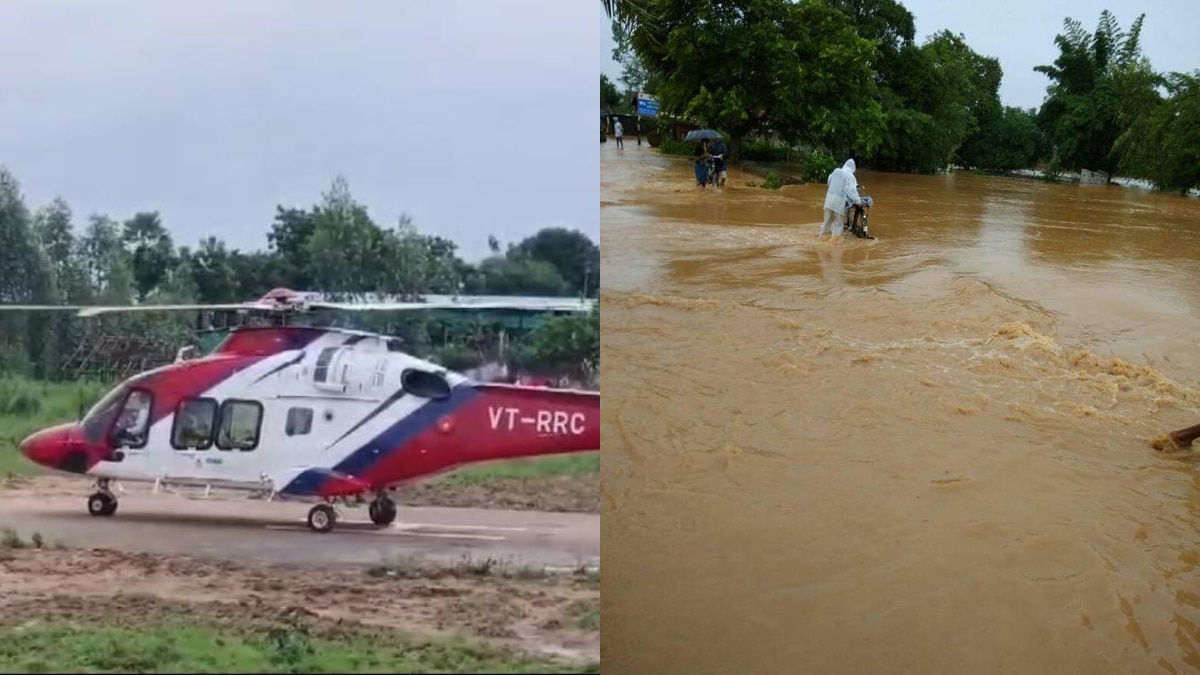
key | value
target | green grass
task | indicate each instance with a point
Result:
(27, 406)
(416, 567)
(580, 464)
(185, 646)
(585, 614)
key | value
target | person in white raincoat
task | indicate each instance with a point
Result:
(842, 191)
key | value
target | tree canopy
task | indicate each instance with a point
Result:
(848, 77)
(334, 246)
(762, 66)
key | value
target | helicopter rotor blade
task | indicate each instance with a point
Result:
(474, 304)
(40, 308)
(430, 302)
(94, 311)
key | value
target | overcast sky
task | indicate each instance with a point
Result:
(474, 117)
(1021, 34)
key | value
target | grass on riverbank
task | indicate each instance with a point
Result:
(564, 483)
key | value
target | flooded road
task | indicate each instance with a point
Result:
(924, 454)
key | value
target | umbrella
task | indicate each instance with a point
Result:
(700, 135)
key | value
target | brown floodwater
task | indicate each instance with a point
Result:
(929, 453)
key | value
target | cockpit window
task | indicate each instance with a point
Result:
(133, 422)
(97, 421)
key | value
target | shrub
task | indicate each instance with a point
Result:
(672, 147)
(816, 166)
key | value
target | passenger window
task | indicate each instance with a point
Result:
(241, 422)
(133, 423)
(195, 421)
(299, 421)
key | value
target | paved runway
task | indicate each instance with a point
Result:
(275, 532)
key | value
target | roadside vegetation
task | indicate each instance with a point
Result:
(26, 406)
(186, 646)
(899, 104)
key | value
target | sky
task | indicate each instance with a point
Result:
(469, 116)
(1020, 33)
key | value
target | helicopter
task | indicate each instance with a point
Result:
(311, 413)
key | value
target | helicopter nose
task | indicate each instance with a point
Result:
(45, 447)
(35, 447)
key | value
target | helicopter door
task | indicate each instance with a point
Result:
(237, 451)
(137, 445)
(192, 430)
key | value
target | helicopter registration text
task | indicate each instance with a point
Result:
(544, 421)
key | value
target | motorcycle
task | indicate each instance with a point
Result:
(858, 215)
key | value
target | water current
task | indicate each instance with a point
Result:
(929, 453)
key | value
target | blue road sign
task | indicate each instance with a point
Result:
(647, 106)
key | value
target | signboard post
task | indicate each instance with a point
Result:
(647, 105)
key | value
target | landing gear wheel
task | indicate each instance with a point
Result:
(382, 511)
(102, 504)
(322, 518)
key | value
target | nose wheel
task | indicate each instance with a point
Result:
(102, 503)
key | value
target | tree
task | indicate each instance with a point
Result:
(565, 343)
(886, 23)
(26, 277)
(629, 13)
(515, 275)
(935, 97)
(106, 262)
(572, 254)
(288, 238)
(151, 251)
(345, 248)
(761, 66)
(1164, 143)
(212, 273)
(1004, 143)
(1096, 79)
(610, 98)
(634, 73)
(55, 233)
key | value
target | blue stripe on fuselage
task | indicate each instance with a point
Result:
(404, 430)
(391, 439)
(307, 484)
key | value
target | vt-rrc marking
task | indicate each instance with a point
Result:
(555, 422)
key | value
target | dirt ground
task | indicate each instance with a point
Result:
(232, 525)
(525, 609)
(439, 585)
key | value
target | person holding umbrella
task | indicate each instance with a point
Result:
(702, 155)
(700, 158)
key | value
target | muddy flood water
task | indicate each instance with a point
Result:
(924, 454)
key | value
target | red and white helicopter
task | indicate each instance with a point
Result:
(304, 412)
